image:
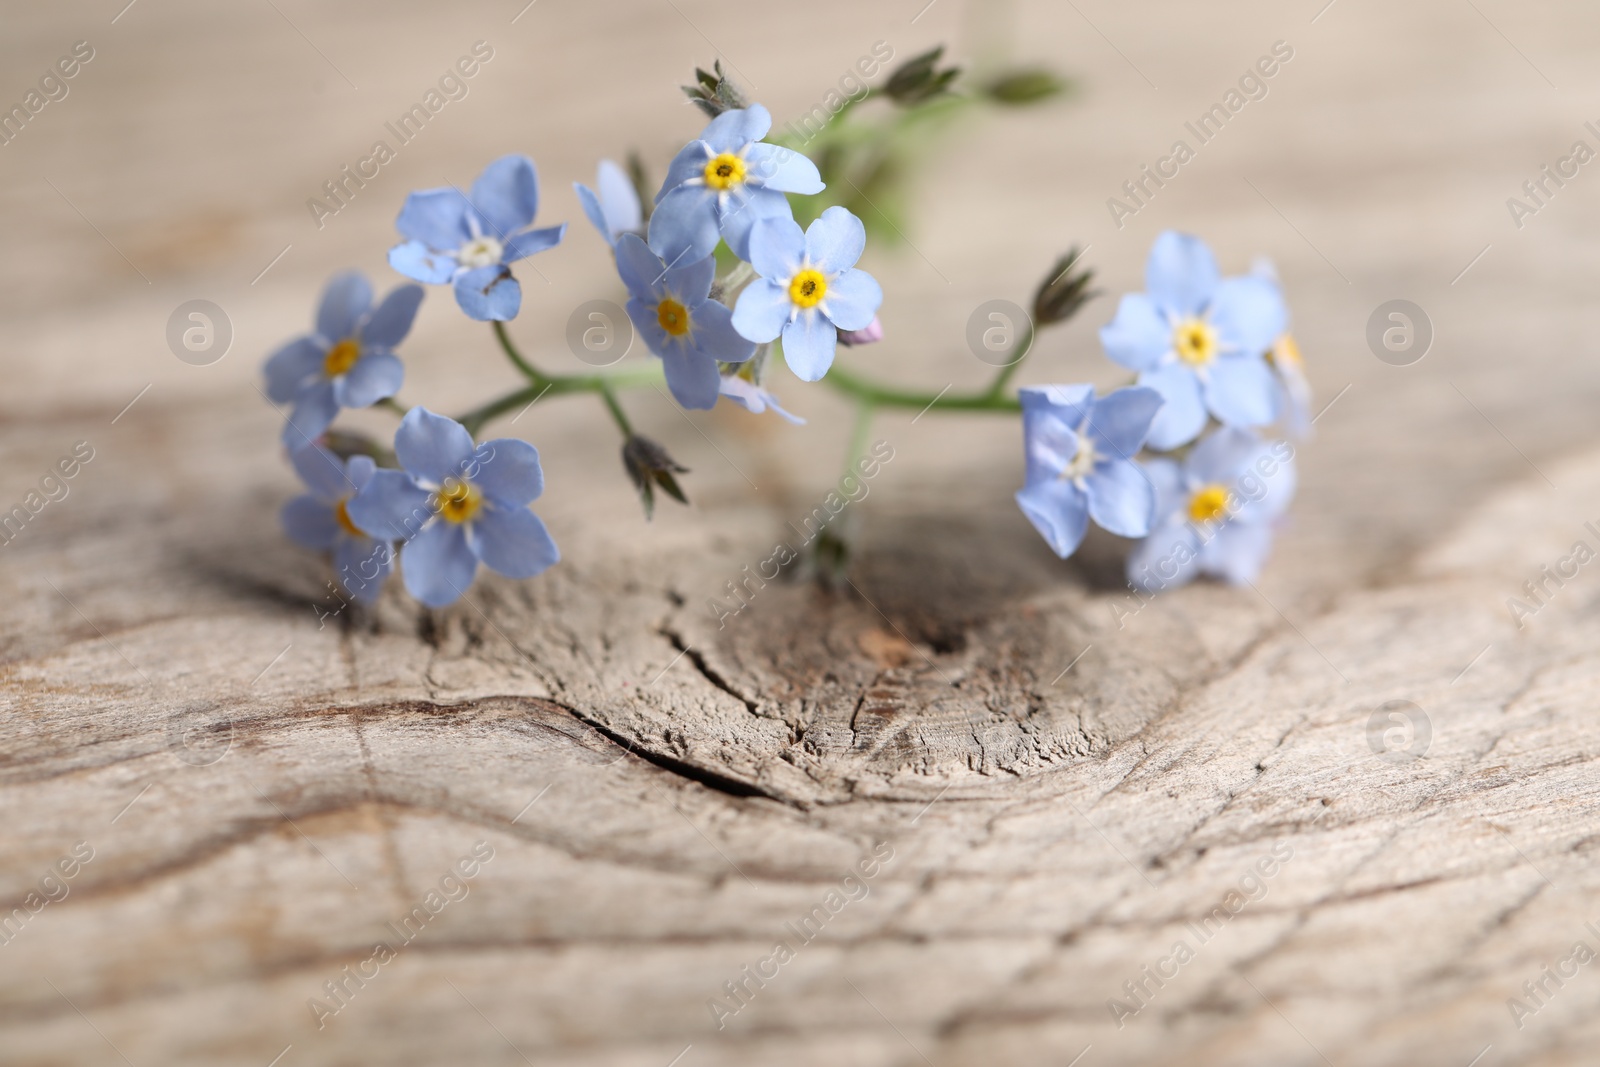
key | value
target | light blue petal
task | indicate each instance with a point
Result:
(777, 247)
(361, 565)
(808, 345)
(641, 270)
(619, 200)
(513, 542)
(1249, 315)
(690, 283)
(359, 470)
(853, 299)
(715, 336)
(432, 447)
(1240, 391)
(1221, 457)
(762, 310)
(1059, 511)
(1121, 499)
(784, 170)
(507, 470)
(1237, 551)
(1182, 274)
(753, 398)
(289, 368)
(489, 294)
(417, 261)
(389, 324)
(346, 298)
(375, 376)
(528, 242)
(1266, 483)
(732, 130)
(1166, 478)
(391, 506)
(595, 213)
(1183, 415)
(310, 523)
(1070, 403)
(835, 241)
(1121, 421)
(435, 217)
(692, 376)
(1140, 334)
(690, 162)
(323, 472)
(1048, 443)
(506, 194)
(314, 411)
(683, 227)
(437, 564)
(1168, 558)
(744, 210)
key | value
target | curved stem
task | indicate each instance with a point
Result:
(516, 357)
(610, 397)
(889, 397)
(391, 404)
(1023, 346)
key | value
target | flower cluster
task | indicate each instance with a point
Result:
(723, 283)
(1215, 367)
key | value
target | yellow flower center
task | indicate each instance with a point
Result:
(673, 317)
(808, 288)
(345, 524)
(1208, 503)
(725, 171)
(1286, 353)
(457, 501)
(341, 357)
(1195, 341)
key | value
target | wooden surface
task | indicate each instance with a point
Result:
(266, 796)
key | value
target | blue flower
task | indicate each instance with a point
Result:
(320, 520)
(455, 505)
(1080, 462)
(672, 309)
(346, 361)
(808, 290)
(1216, 512)
(473, 240)
(723, 184)
(753, 398)
(614, 209)
(1288, 367)
(1199, 340)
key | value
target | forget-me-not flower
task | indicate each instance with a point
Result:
(472, 240)
(754, 398)
(809, 288)
(1080, 465)
(723, 183)
(456, 504)
(672, 310)
(1199, 340)
(347, 361)
(1216, 511)
(613, 204)
(320, 520)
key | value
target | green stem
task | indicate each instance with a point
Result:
(1021, 349)
(610, 397)
(393, 405)
(516, 357)
(858, 439)
(879, 395)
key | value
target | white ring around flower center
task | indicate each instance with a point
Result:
(1081, 465)
(480, 252)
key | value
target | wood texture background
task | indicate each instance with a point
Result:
(664, 799)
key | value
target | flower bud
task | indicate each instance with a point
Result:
(1024, 86)
(869, 334)
(713, 93)
(648, 465)
(347, 443)
(917, 79)
(1064, 291)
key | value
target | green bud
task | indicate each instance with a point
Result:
(918, 79)
(648, 465)
(1065, 290)
(1024, 86)
(713, 93)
